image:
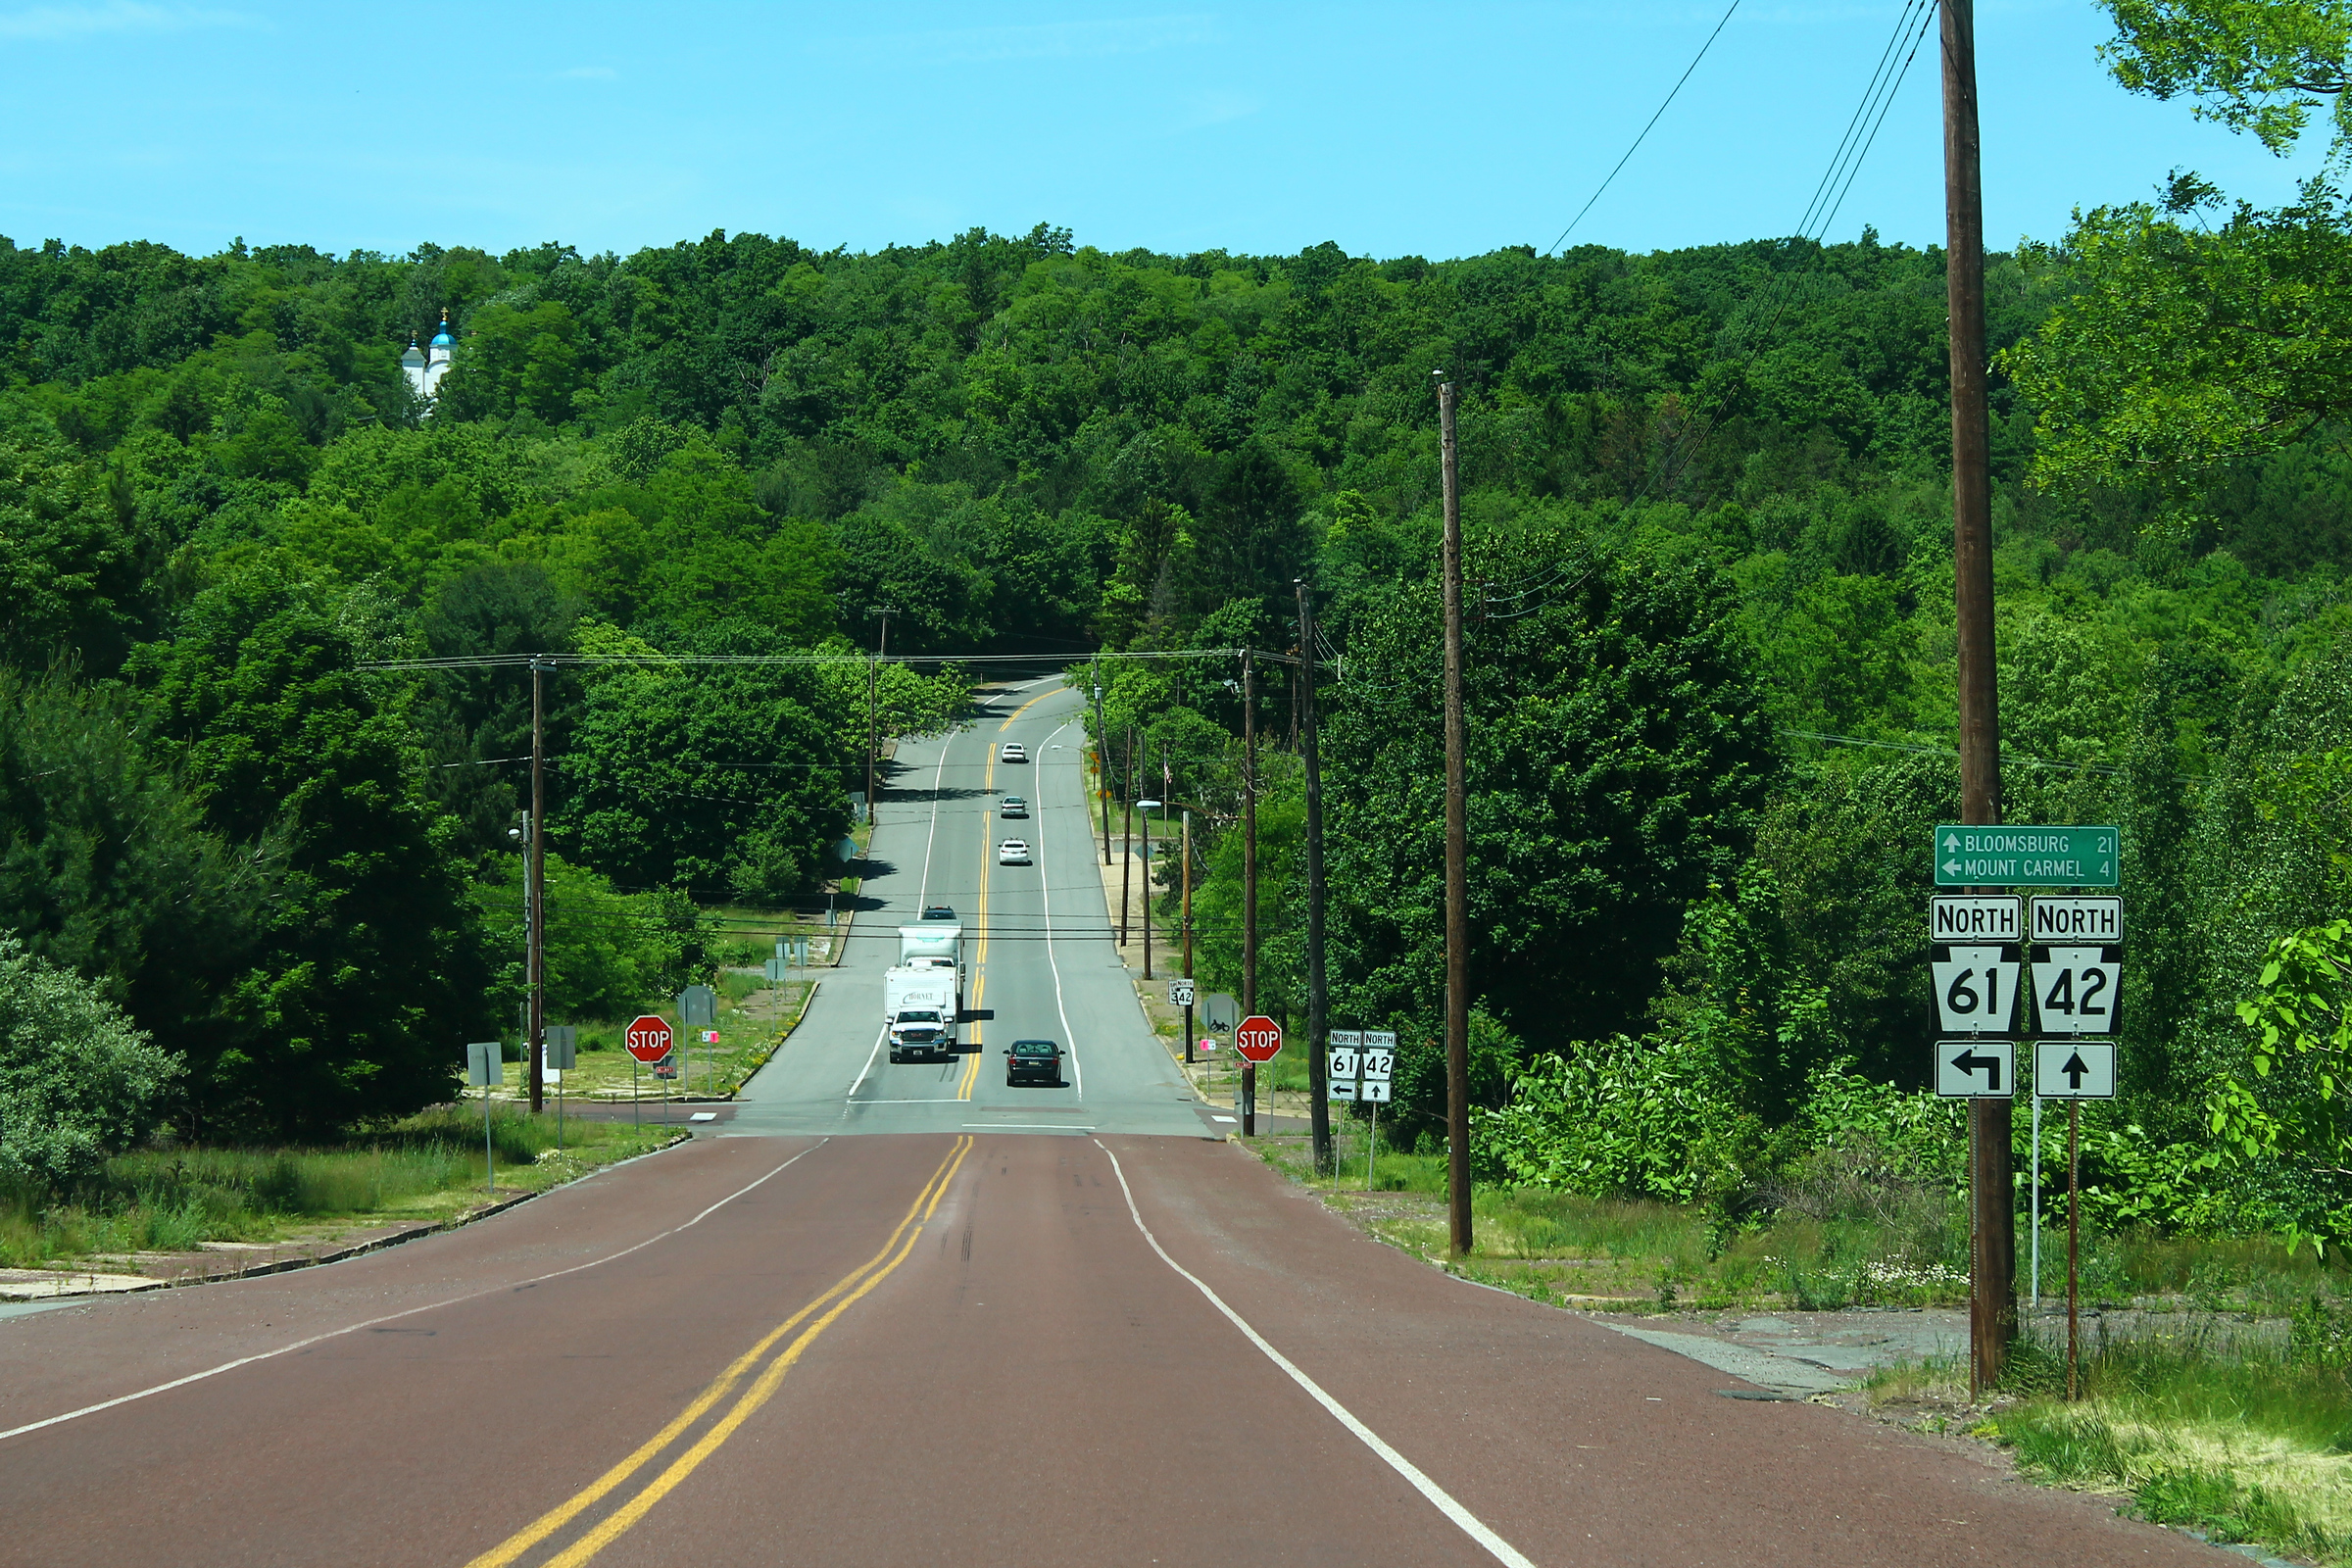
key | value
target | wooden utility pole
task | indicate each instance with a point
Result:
(535, 897)
(1249, 881)
(874, 716)
(1102, 762)
(1126, 835)
(1993, 1272)
(1187, 929)
(1163, 812)
(1457, 856)
(1318, 1113)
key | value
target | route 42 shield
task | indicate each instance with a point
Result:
(2074, 991)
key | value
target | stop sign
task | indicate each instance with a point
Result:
(647, 1039)
(1259, 1039)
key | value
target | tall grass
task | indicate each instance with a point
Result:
(173, 1201)
(2245, 1448)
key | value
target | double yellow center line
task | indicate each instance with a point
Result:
(844, 1294)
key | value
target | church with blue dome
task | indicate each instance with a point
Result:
(424, 367)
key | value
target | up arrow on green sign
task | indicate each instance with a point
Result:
(1967, 857)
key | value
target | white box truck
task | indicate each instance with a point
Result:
(919, 1008)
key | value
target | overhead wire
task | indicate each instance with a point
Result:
(1646, 130)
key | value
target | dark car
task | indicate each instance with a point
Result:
(1033, 1062)
(939, 912)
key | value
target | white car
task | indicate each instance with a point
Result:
(1011, 752)
(1012, 852)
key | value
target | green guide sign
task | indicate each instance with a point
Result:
(2027, 856)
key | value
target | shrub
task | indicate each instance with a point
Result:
(77, 1081)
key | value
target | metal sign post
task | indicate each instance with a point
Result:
(2073, 1070)
(485, 1066)
(562, 1055)
(1379, 1064)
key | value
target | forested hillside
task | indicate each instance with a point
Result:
(1711, 653)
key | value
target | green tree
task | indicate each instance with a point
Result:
(77, 1083)
(727, 778)
(107, 868)
(1618, 755)
(370, 968)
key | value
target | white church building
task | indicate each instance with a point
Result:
(426, 366)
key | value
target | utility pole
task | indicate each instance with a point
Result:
(1188, 930)
(1126, 834)
(874, 717)
(1457, 858)
(1318, 1113)
(1249, 881)
(1163, 811)
(535, 961)
(1102, 762)
(1993, 1272)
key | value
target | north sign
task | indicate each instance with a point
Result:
(1981, 856)
(647, 1039)
(1975, 917)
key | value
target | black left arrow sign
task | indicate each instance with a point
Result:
(1968, 1062)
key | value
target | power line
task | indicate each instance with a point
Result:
(1646, 130)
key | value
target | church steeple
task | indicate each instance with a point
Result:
(425, 369)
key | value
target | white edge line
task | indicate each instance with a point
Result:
(880, 1035)
(369, 1323)
(1470, 1523)
(1045, 892)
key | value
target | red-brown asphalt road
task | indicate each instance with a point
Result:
(1031, 1383)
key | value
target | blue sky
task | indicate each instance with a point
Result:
(1439, 130)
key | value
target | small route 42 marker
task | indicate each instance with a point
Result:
(1380, 1065)
(1259, 1040)
(1976, 1069)
(2078, 963)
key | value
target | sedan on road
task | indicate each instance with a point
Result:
(1012, 852)
(1012, 752)
(1013, 806)
(1033, 1062)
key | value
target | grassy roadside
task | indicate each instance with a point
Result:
(1571, 1250)
(754, 1017)
(2200, 1419)
(426, 1168)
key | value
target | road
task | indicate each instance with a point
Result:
(899, 1315)
(1041, 957)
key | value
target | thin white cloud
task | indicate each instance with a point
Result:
(1056, 40)
(587, 73)
(116, 18)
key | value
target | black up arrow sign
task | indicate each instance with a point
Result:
(1968, 1062)
(2074, 1069)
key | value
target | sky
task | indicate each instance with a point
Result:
(1390, 130)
